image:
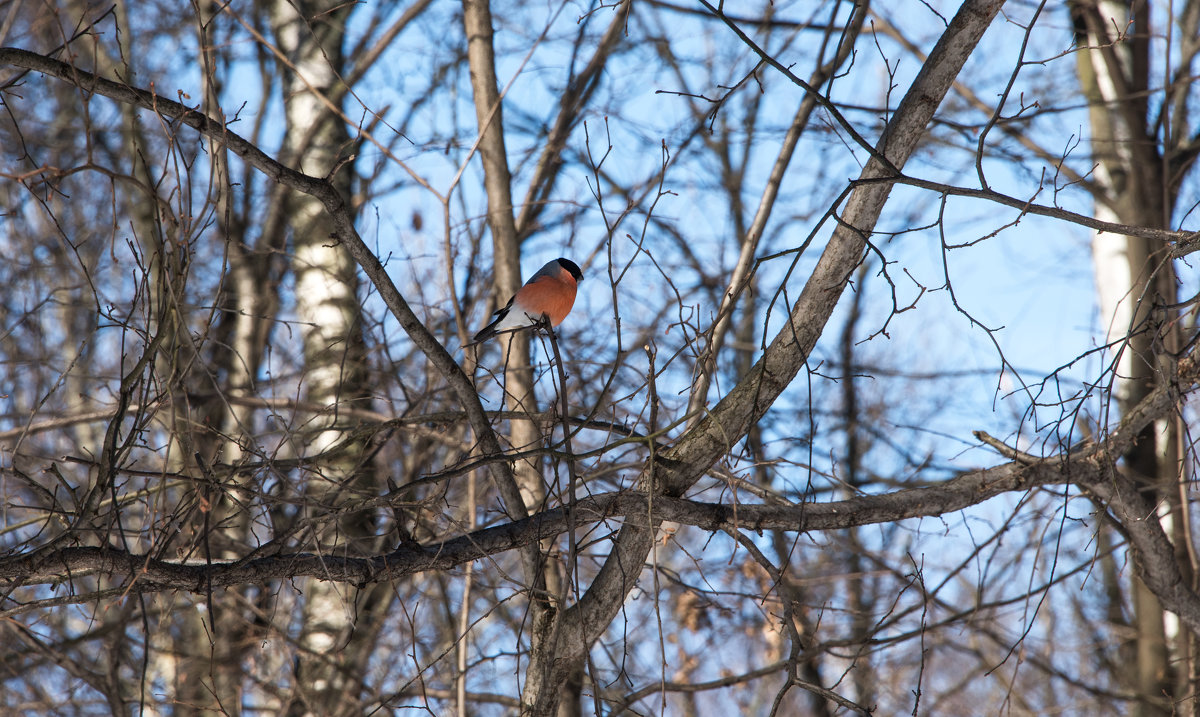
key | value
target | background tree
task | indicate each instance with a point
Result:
(1141, 157)
(829, 254)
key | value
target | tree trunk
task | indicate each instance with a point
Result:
(1134, 282)
(195, 650)
(545, 587)
(337, 620)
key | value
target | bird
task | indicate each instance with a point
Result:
(549, 294)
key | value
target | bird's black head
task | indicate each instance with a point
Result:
(571, 267)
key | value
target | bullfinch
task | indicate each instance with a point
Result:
(549, 293)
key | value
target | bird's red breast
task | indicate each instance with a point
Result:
(550, 295)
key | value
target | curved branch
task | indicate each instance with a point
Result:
(1185, 242)
(1090, 466)
(318, 188)
(147, 574)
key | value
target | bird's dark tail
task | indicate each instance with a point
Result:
(484, 334)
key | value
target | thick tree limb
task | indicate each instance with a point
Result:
(1090, 466)
(702, 446)
(152, 575)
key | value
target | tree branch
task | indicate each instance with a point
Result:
(320, 189)
(1090, 465)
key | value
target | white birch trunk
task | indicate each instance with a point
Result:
(331, 643)
(1132, 277)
